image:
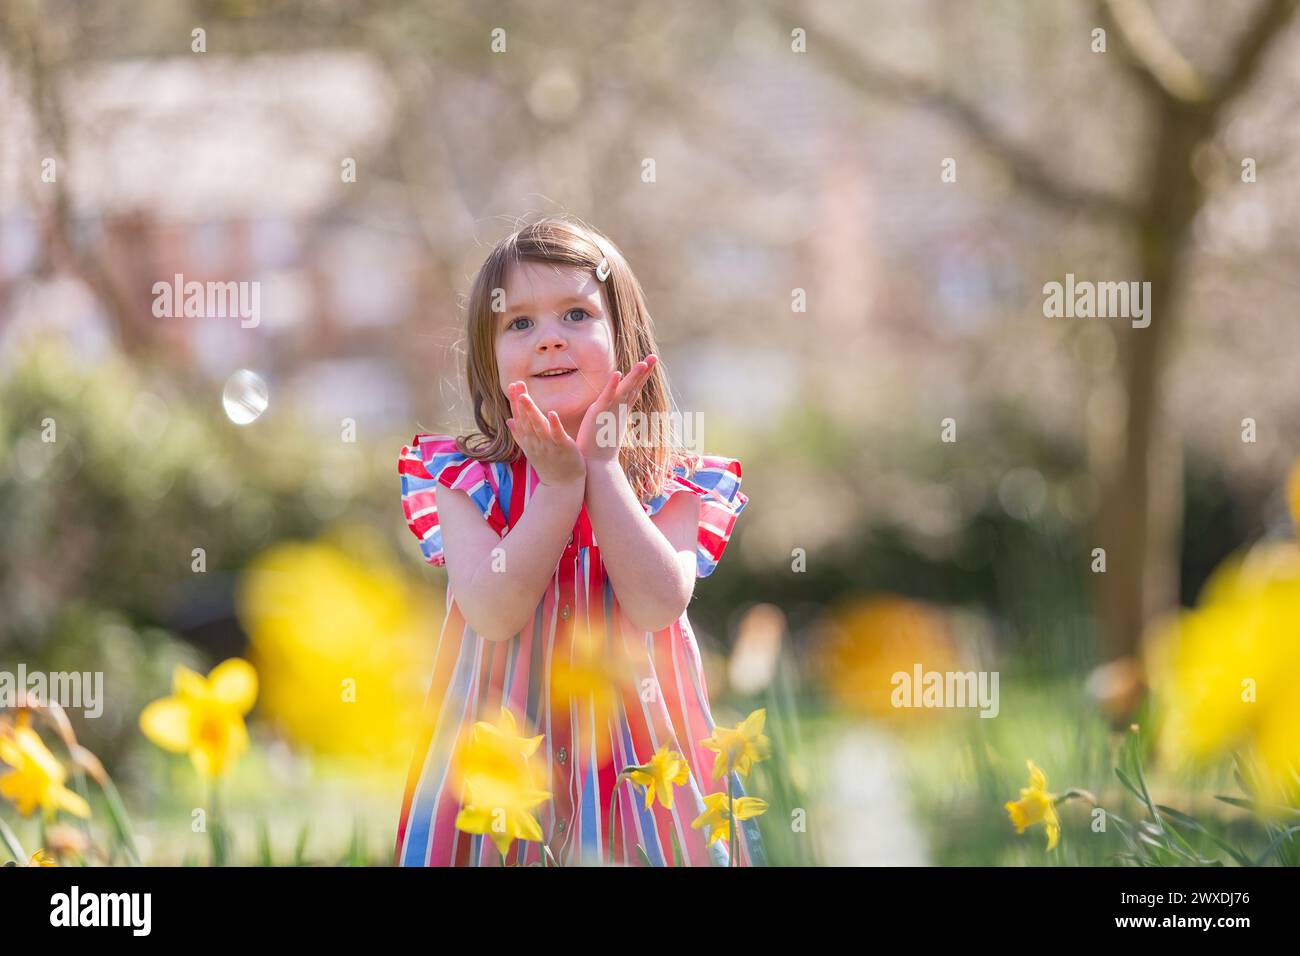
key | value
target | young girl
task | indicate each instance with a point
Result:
(571, 556)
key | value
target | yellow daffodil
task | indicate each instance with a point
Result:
(590, 676)
(205, 715)
(501, 788)
(497, 749)
(1035, 805)
(336, 631)
(1222, 672)
(665, 768)
(741, 747)
(715, 817)
(37, 776)
(41, 858)
(501, 810)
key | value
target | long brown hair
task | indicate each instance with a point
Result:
(567, 241)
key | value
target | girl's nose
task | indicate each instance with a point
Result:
(551, 339)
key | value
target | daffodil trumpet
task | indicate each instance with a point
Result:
(1036, 805)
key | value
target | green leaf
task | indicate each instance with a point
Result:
(11, 842)
(301, 845)
(1128, 784)
(1186, 820)
(1285, 834)
(1186, 848)
(1245, 778)
(264, 843)
(218, 843)
(121, 822)
(1254, 806)
(1135, 759)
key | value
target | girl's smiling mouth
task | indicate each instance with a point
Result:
(556, 373)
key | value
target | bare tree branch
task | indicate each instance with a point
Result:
(852, 66)
(1269, 22)
(27, 49)
(1158, 63)
(1165, 71)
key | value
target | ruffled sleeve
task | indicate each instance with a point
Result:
(716, 482)
(433, 460)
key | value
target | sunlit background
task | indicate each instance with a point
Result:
(843, 215)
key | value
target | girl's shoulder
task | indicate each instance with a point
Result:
(715, 477)
(432, 460)
(715, 481)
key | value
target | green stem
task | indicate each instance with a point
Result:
(121, 822)
(613, 804)
(79, 784)
(215, 830)
(731, 814)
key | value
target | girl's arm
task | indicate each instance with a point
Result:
(498, 591)
(650, 561)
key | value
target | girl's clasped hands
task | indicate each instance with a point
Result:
(557, 457)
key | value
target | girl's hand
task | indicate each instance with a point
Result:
(618, 391)
(548, 447)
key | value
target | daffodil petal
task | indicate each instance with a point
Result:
(188, 683)
(73, 802)
(234, 683)
(167, 723)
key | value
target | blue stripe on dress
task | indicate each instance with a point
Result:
(652, 848)
(590, 811)
(504, 484)
(426, 798)
(749, 828)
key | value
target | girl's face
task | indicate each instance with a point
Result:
(555, 318)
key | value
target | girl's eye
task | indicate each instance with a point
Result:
(523, 318)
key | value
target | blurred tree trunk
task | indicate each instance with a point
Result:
(1141, 536)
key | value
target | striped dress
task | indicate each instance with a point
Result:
(592, 728)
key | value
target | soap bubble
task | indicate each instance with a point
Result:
(244, 397)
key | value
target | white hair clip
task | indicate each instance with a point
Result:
(602, 270)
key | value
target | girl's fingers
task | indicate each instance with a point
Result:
(535, 416)
(635, 380)
(518, 434)
(547, 427)
(525, 426)
(610, 391)
(557, 428)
